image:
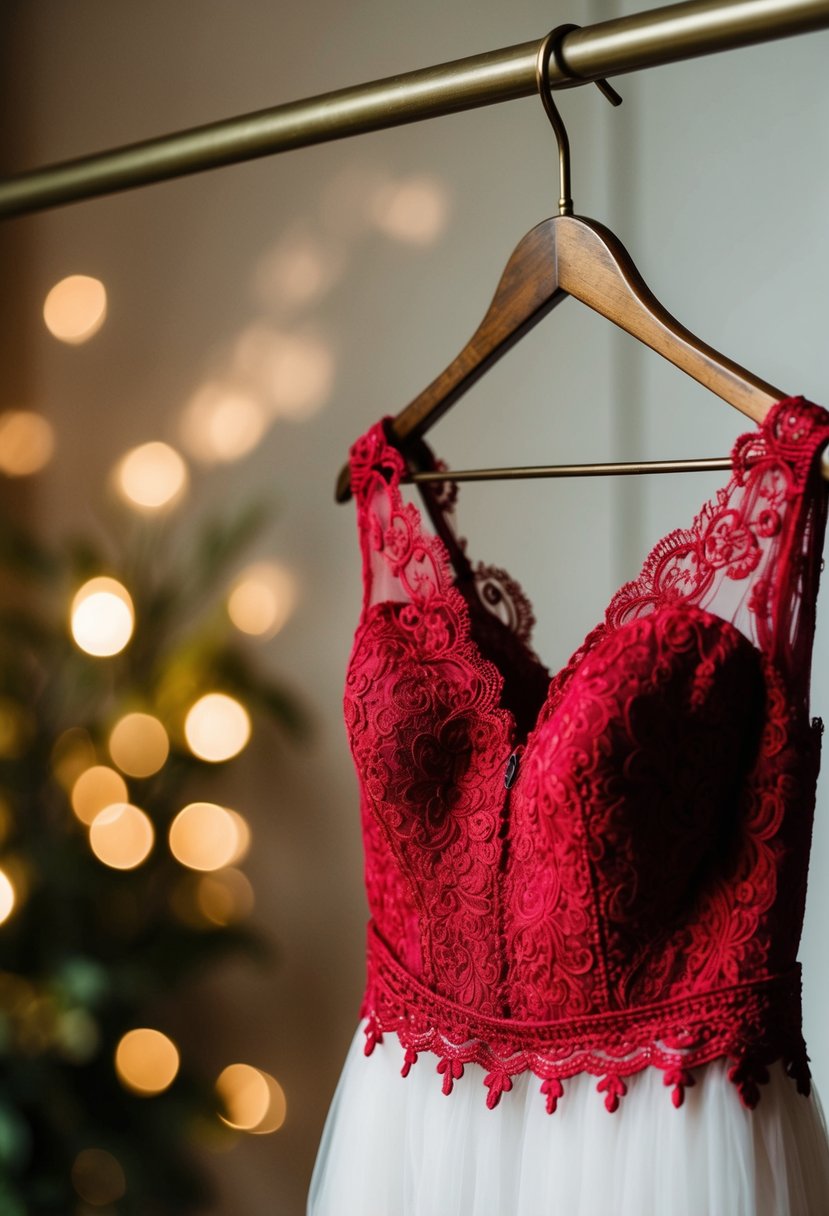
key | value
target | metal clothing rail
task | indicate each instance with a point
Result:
(707, 464)
(617, 469)
(610, 48)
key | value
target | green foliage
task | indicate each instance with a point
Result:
(89, 951)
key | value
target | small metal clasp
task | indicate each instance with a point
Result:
(511, 771)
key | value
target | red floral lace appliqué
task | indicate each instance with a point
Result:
(634, 896)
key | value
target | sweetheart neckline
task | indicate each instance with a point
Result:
(561, 678)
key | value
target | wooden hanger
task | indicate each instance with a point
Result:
(570, 255)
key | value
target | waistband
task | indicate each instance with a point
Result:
(752, 1023)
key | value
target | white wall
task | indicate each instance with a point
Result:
(722, 194)
(714, 175)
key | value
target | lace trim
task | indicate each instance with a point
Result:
(505, 599)
(752, 1024)
(753, 525)
(437, 615)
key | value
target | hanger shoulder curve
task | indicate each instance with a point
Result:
(594, 267)
(527, 291)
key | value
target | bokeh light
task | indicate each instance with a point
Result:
(19, 871)
(298, 270)
(277, 1108)
(222, 423)
(225, 897)
(262, 599)
(102, 617)
(245, 1095)
(7, 897)
(27, 442)
(139, 745)
(75, 308)
(77, 1035)
(254, 1100)
(96, 788)
(242, 835)
(98, 1177)
(414, 210)
(294, 371)
(204, 836)
(152, 476)
(146, 1061)
(217, 727)
(121, 836)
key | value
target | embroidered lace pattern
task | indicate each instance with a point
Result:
(633, 895)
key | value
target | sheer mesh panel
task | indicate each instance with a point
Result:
(752, 556)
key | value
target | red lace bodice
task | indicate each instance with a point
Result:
(606, 869)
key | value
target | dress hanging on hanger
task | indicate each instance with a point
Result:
(586, 888)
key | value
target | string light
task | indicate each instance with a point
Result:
(7, 897)
(121, 836)
(96, 788)
(102, 617)
(152, 476)
(217, 727)
(75, 308)
(146, 1061)
(98, 1177)
(254, 1100)
(262, 599)
(139, 745)
(27, 442)
(204, 836)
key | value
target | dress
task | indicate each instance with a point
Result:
(586, 890)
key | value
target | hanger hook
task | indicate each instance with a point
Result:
(551, 49)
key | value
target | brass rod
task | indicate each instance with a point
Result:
(704, 465)
(610, 48)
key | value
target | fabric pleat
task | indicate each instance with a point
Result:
(395, 1146)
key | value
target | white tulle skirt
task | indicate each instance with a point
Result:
(395, 1146)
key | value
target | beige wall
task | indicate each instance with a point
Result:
(713, 173)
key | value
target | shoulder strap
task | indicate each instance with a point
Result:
(401, 562)
(753, 554)
(795, 439)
